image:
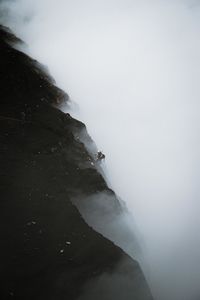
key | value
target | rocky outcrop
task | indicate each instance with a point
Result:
(47, 250)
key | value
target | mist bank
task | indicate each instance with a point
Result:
(133, 68)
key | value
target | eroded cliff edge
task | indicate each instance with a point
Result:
(47, 249)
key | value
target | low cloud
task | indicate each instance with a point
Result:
(133, 67)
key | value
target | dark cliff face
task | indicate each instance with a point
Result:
(47, 249)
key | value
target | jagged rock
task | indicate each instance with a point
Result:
(48, 251)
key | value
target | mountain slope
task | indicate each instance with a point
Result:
(47, 249)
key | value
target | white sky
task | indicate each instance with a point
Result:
(133, 68)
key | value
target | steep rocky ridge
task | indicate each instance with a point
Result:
(47, 250)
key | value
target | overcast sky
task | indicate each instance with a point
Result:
(133, 68)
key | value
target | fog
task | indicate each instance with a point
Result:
(133, 69)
